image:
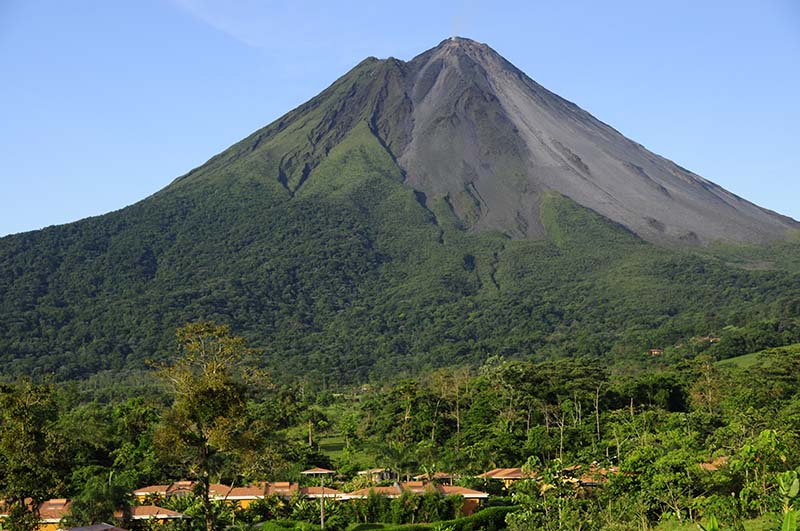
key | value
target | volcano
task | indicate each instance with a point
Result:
(414, 214)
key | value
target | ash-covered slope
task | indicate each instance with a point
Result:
(494, 140)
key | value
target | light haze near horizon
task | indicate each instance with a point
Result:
(105, 103)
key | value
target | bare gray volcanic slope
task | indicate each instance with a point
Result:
(492, 140)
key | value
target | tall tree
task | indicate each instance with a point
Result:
(31, 463)
(208, 416)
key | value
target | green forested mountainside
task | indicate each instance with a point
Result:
(341, 287)
(305, 240)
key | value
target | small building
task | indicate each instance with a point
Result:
(377, 475)
(153, 512)
(597, 476)
(51, 512)
(179, 488)
(472, 498)
(245, 496)
(444, 478)
(321, 492)
(96, 527)
(715, 464)
(508, 475)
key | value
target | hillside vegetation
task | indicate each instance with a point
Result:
(353, 277)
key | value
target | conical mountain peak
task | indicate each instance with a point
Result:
(467, 128)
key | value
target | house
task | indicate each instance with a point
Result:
(440, 477)
(153, 512)
(321, 492)
(179, 488)
(152, 491)
(714, 464)
(507, 475)
(472, 498)
(50, 514)
(597, 476)
(377, 475)
(656, 351)
(96, 527)
(245, 496)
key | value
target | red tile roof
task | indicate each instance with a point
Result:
(438, 475)
(317, 471)
(284, 489)
(449, 490)
(217, 490)
(53, 510)
(151, 489)
(145, 512)
(417, 487)
(714, 465)
(317, 492)
(391, 492)
(507, 473)
(281, 488)
(247, 493)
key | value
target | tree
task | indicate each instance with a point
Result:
(101, 500)
(31, 466)
(207, 419)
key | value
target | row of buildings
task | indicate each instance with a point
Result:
(52, 511)
(245, 496)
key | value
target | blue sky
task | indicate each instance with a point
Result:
(104, 103)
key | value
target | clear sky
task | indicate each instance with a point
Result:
(102, 103)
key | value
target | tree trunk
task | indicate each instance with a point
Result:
(597, 412)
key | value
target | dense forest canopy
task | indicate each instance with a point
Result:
(694, 439)
(334, 293)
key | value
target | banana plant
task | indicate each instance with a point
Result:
(789, 486)
(712, 525)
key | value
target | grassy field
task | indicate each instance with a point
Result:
(332, 446)
(741, 362)
(764, 523)
(749, 360)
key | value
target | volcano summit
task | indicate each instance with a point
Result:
(464, 125)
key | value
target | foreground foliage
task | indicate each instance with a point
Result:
(693, 440)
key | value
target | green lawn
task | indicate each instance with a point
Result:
(332, 446)
(748, 360)
(741, 362)
(764, 523)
